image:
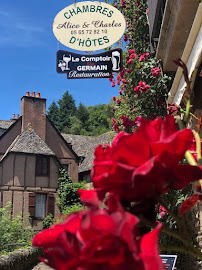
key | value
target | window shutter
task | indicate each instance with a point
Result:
(51, 203)
(32, 204)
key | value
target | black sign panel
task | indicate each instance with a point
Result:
(80, 66)
(169, 261)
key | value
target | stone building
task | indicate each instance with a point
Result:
(31, 152)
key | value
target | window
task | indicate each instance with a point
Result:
(66, 167)
(41, 204)
(42, 166)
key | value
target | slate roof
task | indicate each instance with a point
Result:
(4, 125)
(29, 142)
(85, 146)
(2, 130)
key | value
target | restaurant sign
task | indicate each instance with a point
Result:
(89, 26)
(169, 261)
(89, 66)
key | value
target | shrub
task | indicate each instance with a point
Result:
(69, 209)
(69, 200)
(48, 221)
(13, 230)
(68, 194)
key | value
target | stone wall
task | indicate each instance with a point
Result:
(21, 259)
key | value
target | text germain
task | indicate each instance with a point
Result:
(97, 67)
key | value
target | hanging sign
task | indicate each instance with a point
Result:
(169, 261)
(89, 66)
(89, 26)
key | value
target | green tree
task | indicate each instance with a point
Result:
(77, 127)
(82, 113)
(67, 108)
(53, 113)
(99, 119)
(89, 121)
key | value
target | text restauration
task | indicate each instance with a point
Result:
(74, 74)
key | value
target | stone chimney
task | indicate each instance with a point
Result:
(33, 111)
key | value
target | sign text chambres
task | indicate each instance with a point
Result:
(89, 26)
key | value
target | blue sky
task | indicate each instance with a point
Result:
(28, 58)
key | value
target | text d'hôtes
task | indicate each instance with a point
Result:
(89, 42)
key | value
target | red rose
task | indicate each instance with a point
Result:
(155, 72)
(113, 83)
(129, 70)
(116, 127)
(141, 88)
(130, 62)
(146, 163)
(173, 109)
(131, 51)
(123, 4)
(104, 239)
(125, 37)
(127, 123)
(143, 56)
(162, 211)
(118, 101)
(133, 56)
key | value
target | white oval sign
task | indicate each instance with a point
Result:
(89, 26)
